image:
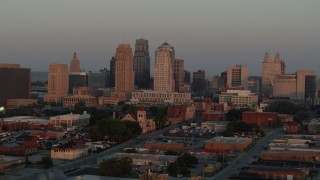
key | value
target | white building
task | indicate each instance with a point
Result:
(70, 120)
(239, 97)
(70, 153)
(159, 97)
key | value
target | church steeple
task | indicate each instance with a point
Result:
(75, 63)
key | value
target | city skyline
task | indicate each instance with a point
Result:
(207, 36)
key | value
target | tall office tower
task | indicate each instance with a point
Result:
(306, 84)
(15, 82)
(75, 64)
(215, 83)
(77, 79)
(124, 74)
(187, 78)
(58, 83)
(98, 80)
(285, 86)
(271, 68)
(237, 76)
(223, 79)
(254, 84)
(112, 71)
(178, 73)
(198, 81)
(141, 64)
(163, 69)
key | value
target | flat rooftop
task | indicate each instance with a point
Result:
(229, 139)
(141, 156)
(10, 158)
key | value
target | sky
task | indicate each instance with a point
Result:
(208, 34)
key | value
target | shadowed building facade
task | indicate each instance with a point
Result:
(141, 64)
(15, 82)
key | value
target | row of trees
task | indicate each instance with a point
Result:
(182, 165)
(116, 167)
(240, 126)
(114, 130)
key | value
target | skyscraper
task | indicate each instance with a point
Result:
(77, 79)
(75, 64)
(237, 76)
(163, 69)
(15, 82)
(112, 71)
(178, 72)
(271, 68)
(199, 81)
(141, 64)
(124, 74)
(187, 78)
(58, 83)
(301, 86)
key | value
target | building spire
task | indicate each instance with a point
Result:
(75, 63)
(266, 56)
(277, 56)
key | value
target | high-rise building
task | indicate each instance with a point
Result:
(75, 64)
(187, 77)
(124, 74)
(301, 86)
(223, 79)
(285, 86)
(58, 83)
(198, 81)
(141, 64)
(99, 79)
(237, 76)
(112, 71)
(77, 79)
(254, 84)
(178, 73)
(271, 68)
(215, 83)
(163, 69)
(306, 84)
(15, 82)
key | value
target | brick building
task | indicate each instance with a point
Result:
(164, 146)
(261, 119)
(19, 148)
(227, 144)
(213, 116)
(301, 156)
(292, 127)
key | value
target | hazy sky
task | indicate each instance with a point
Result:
(207, 34)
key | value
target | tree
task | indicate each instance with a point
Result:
(80, 106)
(128, 108)
(116, 167)
(173, 168)
(98, 115)
(282, 107)
(47, 162)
